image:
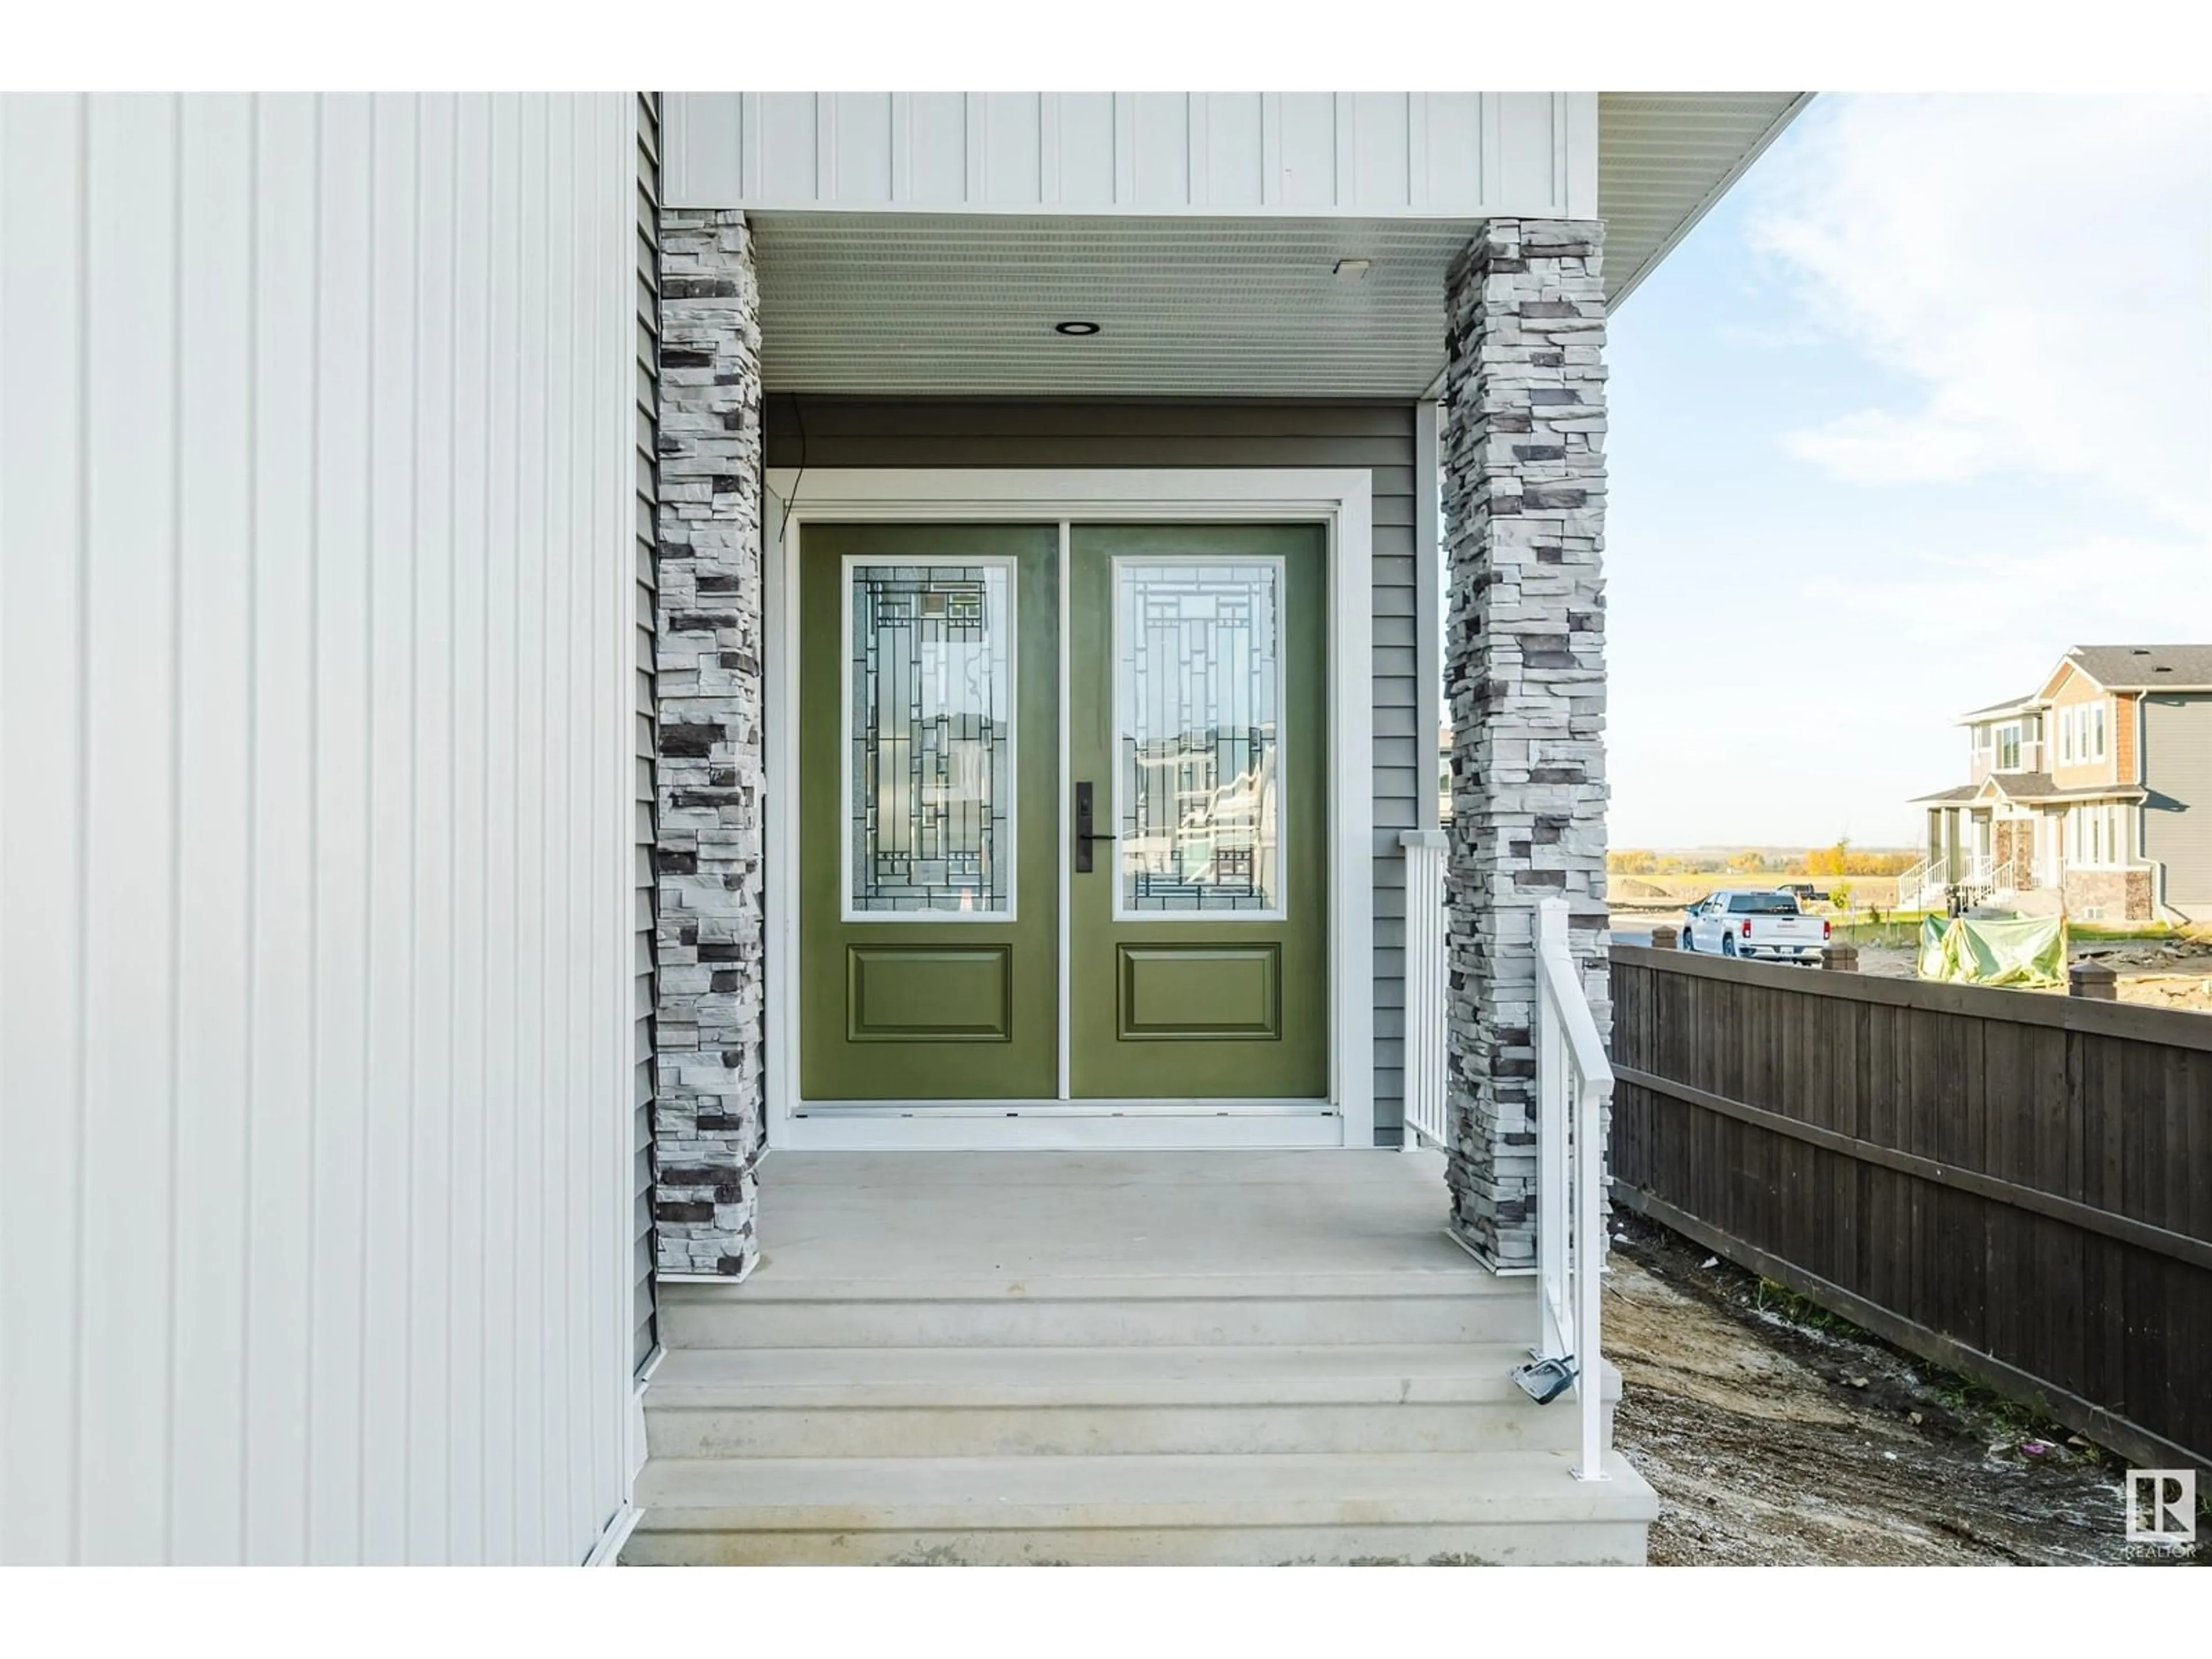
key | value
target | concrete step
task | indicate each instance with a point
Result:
(2026, 901)
(1189, 1310)
(982, 1402)
(1506, 1507)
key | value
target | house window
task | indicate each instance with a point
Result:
(2081, 733)
(2008, 748)
(2097, 837)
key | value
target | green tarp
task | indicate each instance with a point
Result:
(2028, 951)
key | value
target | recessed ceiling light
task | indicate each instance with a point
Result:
(1075, 328)
(1352, 271)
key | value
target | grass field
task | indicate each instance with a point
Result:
(1672, 892)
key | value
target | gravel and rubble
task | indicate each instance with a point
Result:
(1777, 1434)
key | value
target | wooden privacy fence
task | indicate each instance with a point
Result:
(2014, 1185)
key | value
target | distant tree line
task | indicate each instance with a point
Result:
(1840, 859)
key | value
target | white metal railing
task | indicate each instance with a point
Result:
(1913, 887)
(1984, 879)
(1572, 1081)
(1427, 986)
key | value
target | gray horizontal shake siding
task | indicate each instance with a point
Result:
(831, 432)
(2177, 818)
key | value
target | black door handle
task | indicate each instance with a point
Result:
(1085, 836)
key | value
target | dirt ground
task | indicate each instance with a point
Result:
(1776, 1435)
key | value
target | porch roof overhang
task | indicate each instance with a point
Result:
(887, 270)
(2038, 789)
(2026, 705)
(2116, 792)
(1664, 159)
(961, 306)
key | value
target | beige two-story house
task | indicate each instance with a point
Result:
(2092, 794)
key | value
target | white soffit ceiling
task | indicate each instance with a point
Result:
(1664, 158)
(908, 305)
(951, 304)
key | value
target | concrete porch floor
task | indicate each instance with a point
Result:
(908, 1218)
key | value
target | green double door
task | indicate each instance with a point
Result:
(1033, 872)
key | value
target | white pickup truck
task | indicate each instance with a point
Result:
(1738, 921)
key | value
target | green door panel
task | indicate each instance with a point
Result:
(1187, 993)
(928, 1005)
(1215, 982)
(912, 992)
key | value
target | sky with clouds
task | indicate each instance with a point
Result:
(1925, 400)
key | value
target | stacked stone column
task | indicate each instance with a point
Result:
(1523, 431)
(710, 954)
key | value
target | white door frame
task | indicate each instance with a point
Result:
(1341, 500)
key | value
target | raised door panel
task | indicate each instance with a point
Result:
(928, 993)
(1199, 992)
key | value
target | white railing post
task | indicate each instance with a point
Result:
(1590, 1262)
(1427, 987)
(1573, 1077)
(1554, 1186)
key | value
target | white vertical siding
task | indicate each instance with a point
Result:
(643, 832)
(1461, 155)
(317, 579)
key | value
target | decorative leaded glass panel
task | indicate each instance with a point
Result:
(1198, 694)
(931, 732)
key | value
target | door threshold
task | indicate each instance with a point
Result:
(1065, 1109)
(1063, 1126)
